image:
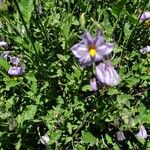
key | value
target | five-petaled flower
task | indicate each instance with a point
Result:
(16, 71)
(90, 50)
(106, 74)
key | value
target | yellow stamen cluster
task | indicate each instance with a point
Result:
(92, 52)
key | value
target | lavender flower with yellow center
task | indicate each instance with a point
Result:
(16, 71)
(90, 50)
(106, 74)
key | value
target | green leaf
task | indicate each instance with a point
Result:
(4, 64)
(55, 136)
(112, 91)
(26, 7)
(69, 126)
(80, 147)
(88, 137)
(123, 98)
(109, 139)
(132, 81)
(18, 144)
(29, 113)
(63, 57)
(141, 140)
(118, 7)
(86, 88)
(10, 82)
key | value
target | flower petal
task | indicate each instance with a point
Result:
(87, 38)
(5, 54)
(99, 40)
(114, 77)
(120, 136)
(105, 49)
(93, 84)
(87, 61)
(98, 57)
(14, 60)
(100, 72)
(145, 50)
(15, 71)
(80, 51)
(142, 132)
(145, 16)
(107, 74)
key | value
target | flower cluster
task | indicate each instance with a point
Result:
(93, 50)
(15, 69)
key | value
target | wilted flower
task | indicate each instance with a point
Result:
(16, 71)
(145, 50)
(145, 16)
(91, 49)
(2, 43)
(15, 61)
(142, 132)
(5, 54)
(44, 139)
(120, 136)
(106, 74)
(93, 84)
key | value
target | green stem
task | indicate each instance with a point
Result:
(28, 33)
(40, 23)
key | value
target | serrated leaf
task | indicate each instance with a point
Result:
(132, 81)
(26, 7)
(55, 136)
(29, 113)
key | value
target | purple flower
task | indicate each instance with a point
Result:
(16, 71)
(145, 16)
(15, 61)
(93, 84)
(5, 54)
(106, 74)
(91, 49)
(120, 136)
(145, 50)
(142, 132)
